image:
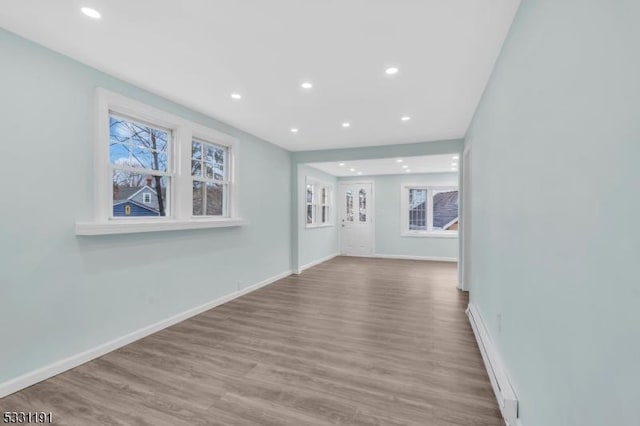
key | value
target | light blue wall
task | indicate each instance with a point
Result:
(349, 154)
(63, 294)
(555, 204)
(388, 221)
(315, 243)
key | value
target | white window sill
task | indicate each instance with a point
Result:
(128, 226)
(430, 234)
(324, 225)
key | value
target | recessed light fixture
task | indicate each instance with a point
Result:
(404, 166)
(352, 170)
(236, 96)
(399, 160)
(345, 124)
(408, 171)
(294, 130)
(91, 13)
(405, 118)
(391, 71)
(341, 164)
(306, 85)
(454, 164)
(455, 157)
(359, 173)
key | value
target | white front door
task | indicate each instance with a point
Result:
(355, 207)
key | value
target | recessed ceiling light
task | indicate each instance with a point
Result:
(294, 130)
(352, 170)
(306, 85)
(236, 96)
(455, 157)
(345, 124)
(408, 171)
(91, 13)
(359, 173)
(391, 71)
(454, 164)
(405, 118)
(341, 164)
(399, 160)
(404, 166)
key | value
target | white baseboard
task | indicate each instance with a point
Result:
(73, 361)
(406, 257)
(507, 399)
(315, 262)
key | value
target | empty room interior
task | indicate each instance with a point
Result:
(294, 212)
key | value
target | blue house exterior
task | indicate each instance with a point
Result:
(129, 208)
(135, 201)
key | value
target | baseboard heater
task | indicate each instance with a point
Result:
(507, 400)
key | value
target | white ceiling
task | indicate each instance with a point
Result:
(391, 166)
(198, 52)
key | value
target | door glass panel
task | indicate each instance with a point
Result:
(349, 206)
(309, 214)
(363, 205)
(309, 193)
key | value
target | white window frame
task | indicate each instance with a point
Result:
(146, 195)
(179, 158)
(317, 203)
(404, 211)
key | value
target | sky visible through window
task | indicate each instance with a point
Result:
(138, 154)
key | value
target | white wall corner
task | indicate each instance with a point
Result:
(314, 263)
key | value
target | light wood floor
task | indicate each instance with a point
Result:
(352, 341)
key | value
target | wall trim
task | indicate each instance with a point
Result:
(507, 399)
(406, 257)
(73, 361)
(315, 262)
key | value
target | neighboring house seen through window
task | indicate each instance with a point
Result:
(429, 210)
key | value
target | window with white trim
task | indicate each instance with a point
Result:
(318, 203)
(157, 171)
(429, 210)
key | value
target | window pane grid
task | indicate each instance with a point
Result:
(417, 209)
(208, 161)
(209, 175)
(137, 145)
(317, 203)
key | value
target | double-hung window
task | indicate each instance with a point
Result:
(318, 203)
(429, 210)
(157, 171)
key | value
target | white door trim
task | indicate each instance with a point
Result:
(371, 212)
(465, 221)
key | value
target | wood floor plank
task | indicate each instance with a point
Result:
(352, 341)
